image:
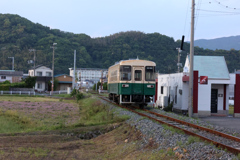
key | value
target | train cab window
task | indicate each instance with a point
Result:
(150, 73)
(138, 75)
(125, 73)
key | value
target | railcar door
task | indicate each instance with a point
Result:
(137, 83)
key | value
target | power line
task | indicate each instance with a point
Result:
(224, 5)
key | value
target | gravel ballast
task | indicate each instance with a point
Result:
(184, 146)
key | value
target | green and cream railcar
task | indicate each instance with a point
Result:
(132, 81)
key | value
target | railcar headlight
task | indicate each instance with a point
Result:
(150, 86)
(125, 85)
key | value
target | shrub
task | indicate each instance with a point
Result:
(79, 96)
(169, 107)
(5, 87)
(6, 82)
(74, 92)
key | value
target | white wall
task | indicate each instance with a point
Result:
(42, 69)
(42, 87)
(204, 94)
(204, 97)
(170, 82)
(8, 78)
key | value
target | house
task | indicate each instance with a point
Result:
(44, 76)
(64, 81)
(211, 82)
(11, 76)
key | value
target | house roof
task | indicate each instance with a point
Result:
(58, 75)
(11, 73)
(212, 66)
(38, 66)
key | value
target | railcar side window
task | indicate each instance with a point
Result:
(138, 75)
(125, 73)
(150, 73)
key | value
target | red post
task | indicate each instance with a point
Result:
(237, 95)
(224, 98)
(195, 92)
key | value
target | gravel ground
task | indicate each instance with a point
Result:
(184, 146)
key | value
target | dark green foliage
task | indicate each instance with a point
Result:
(4, 87)
(6, 82)
(56, 83)
(77, 94)
(74, 92)
(169, 107)
(19, 85)
(18, 34)
(30, 82)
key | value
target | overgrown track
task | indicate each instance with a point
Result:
(217, 138)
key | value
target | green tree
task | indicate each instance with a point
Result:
(30, 82)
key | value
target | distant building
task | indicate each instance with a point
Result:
(11, 76)
(64, 81)
(90, 74)
(44, 75)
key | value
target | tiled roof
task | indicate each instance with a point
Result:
(11, 73)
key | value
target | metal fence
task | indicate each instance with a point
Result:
(31, 92)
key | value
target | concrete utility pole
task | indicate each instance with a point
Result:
(53, 47)
(190, 96)
(74, 70)
(179, 64)
(101, 79)
(12, 62)
(33, 50)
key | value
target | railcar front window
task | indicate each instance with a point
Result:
(138, 75)
(125, 73)
(150, 73)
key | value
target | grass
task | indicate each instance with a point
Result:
(192, 139)
(173, 130)
(9, 126)
(231, 109)
(62, 95)
(94, 112)
(23, 98)
(42, 114)
(90, 113)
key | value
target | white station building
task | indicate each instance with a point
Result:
(210, 87)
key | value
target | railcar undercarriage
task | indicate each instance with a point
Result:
(140, 100)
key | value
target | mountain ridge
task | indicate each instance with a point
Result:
(18, 35)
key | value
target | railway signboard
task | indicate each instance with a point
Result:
(203, 79)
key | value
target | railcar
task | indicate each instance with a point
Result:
(132, 82)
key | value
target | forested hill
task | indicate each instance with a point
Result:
(18, 35)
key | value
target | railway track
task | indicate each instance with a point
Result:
(219, 139)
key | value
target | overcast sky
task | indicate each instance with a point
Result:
(99, 18)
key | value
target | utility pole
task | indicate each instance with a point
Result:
(74, 70)
(101, 79)
(12, 62)
(53, 47)
(179, 64)
(190, 96)
(33, 50)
